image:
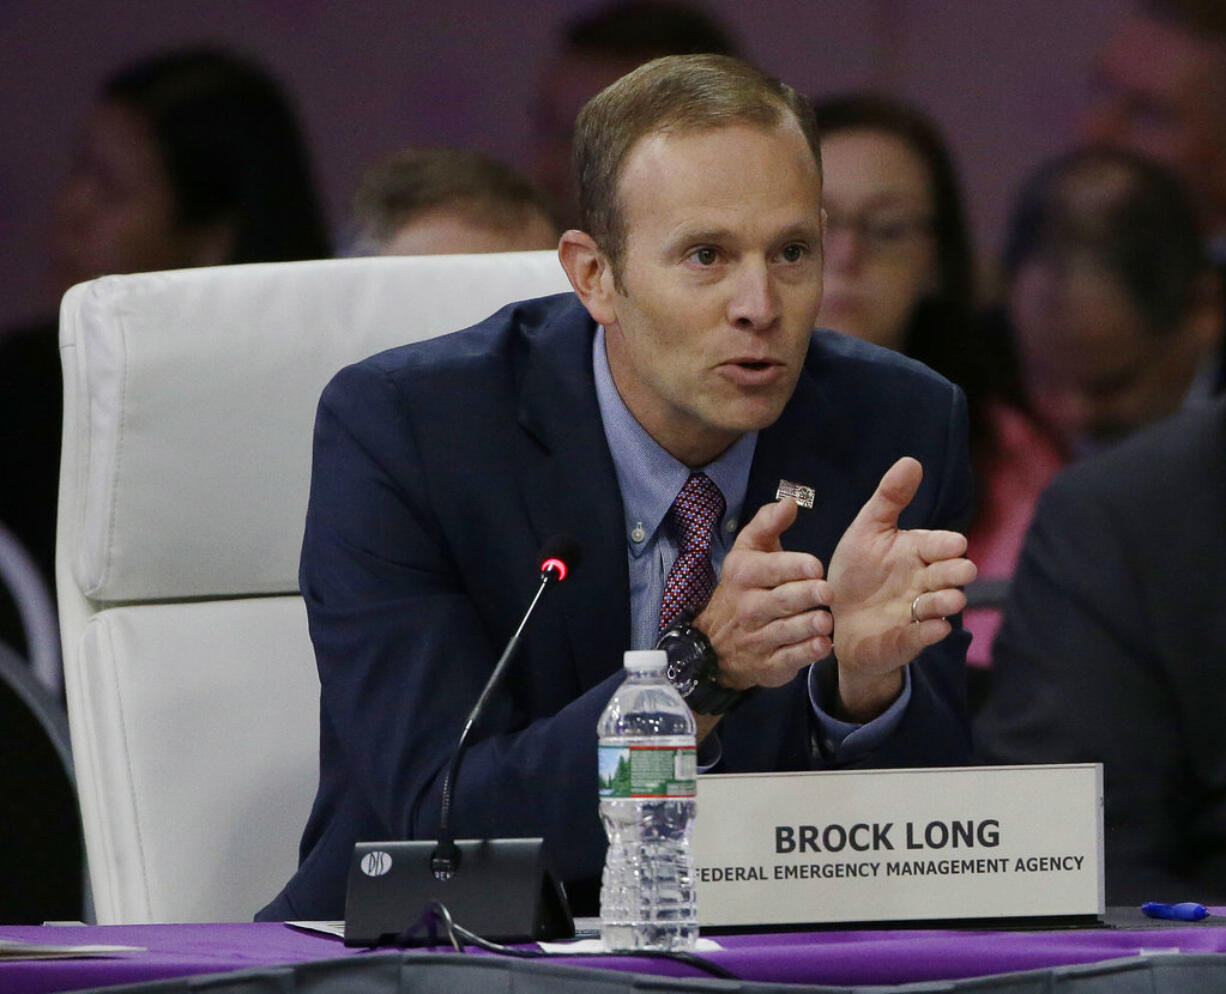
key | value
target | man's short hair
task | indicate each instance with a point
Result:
(640, 30)
(677, 94)
(1127, 214)
(1206, 18)
(410, 183)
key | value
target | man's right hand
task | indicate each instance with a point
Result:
(766, 619)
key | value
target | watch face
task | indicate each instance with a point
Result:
(685, 658)
(681, 676)
(692, 669)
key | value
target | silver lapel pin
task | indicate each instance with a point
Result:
(800, 493)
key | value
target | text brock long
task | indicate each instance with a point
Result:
(871, 837)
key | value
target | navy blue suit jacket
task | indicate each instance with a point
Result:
(1113, 651)
(439, 470)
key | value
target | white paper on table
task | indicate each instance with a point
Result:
(334, 929)
(595, 946)
(16, 949)
(575, 946)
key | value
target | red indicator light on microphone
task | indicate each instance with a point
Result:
(555, 566)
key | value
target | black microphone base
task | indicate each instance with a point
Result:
(502, 890)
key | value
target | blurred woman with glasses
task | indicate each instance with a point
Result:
(899, 272)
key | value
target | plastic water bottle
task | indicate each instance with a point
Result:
(647, 780)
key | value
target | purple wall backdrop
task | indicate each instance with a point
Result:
(1003, 77)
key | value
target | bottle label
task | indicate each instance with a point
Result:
(648, 770)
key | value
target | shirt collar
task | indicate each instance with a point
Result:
(649, 477)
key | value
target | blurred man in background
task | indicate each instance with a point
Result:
(441, 201)
(595, 50)
(1115, 308)
(1159, 88)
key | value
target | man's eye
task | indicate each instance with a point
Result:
(794, 252)
(705, 256)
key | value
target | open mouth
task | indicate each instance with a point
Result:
(753, 372)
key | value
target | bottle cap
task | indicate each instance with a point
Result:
(645, 660)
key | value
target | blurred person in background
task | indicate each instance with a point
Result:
(595, 49)
(1158, 87)
(439, 201)
(1109, 301)
(189, 158)
(1110, 296)
(1113, 648)
(899, 272)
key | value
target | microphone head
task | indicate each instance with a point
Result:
(559, 555)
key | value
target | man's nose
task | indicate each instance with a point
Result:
(754, 303)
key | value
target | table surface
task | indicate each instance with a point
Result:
(851, 957)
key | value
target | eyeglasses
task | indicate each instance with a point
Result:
(880, 231)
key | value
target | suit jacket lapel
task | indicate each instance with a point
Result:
(567, 487)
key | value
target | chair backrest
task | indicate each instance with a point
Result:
(189, 402)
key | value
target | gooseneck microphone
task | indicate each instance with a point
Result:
(506, 890)
(559, 555)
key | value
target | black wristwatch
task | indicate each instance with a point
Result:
(694, 670)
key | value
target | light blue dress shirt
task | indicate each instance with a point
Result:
(650, 479)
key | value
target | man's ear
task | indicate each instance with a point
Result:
(590, 274)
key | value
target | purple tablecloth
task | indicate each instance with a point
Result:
(170, 951)
(893, 956)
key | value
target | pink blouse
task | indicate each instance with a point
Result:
(1022, 463)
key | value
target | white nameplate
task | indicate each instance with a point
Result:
(899, 845)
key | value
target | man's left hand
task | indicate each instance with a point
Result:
(877, 574)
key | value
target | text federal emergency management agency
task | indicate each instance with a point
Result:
(881, 837)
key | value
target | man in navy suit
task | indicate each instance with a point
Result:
(685, 351)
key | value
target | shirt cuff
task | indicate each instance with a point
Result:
(845, 741)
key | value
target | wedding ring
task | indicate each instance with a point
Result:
(915, 604)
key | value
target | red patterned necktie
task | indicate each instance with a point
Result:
(689, 584)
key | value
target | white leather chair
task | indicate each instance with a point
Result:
(192, 695)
